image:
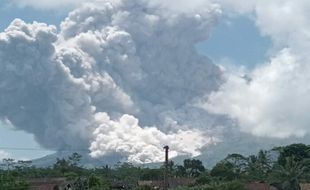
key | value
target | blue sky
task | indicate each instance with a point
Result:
(28, 14)
(238, 40)
(235, 39)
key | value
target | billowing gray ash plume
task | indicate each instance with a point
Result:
(120, 77)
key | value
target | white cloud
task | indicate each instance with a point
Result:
(278, 19)
(273, 100)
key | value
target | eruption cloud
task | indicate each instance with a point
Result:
(120, 77)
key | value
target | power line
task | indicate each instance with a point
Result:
(41, 149)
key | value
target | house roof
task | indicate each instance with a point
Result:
(47, 183)
(173, 182)
(305, 186)
(259, 186)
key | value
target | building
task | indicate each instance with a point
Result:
(305, 186)
(49, 184)
(172, 183)
(259, 186)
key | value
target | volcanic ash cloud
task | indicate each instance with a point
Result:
(119, 77)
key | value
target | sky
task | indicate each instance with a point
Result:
(243, 44)
(238, 41)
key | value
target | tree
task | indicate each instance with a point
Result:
(74, 160)
(239, 163)
(127, 173)
(297, 151)
(290, 174)
(204, 179)
(23, 167)
(9, 181)
(74, 163)
(8, 163)
(193, 167)
(259, 166)
(62, 165)
(151, 174)
(80, 184)
(94, 182)
(179, 171)
(224, 171)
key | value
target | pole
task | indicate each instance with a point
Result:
(166, 167)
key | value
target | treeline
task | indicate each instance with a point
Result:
(283, 167)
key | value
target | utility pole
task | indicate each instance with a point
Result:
(166, 167)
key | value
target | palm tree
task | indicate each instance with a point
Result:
(290, 173)
(259, 166)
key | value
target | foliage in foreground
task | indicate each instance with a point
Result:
(234, 185)
(284, 167)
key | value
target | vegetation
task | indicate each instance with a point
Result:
(284, 167)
